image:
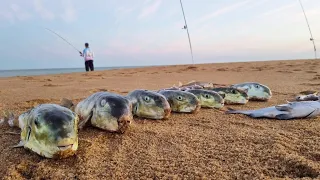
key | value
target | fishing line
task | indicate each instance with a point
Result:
(186, 27)
(311, 39)
(63, 39)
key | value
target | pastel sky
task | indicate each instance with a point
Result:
(149, 32)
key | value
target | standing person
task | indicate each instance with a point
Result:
(88, 57)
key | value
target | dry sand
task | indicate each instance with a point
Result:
(206, 145)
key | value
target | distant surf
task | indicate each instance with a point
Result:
(35, 72)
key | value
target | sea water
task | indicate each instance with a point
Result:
(34, 72)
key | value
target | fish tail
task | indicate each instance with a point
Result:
(67, 103)
(234, 111)
(9, 117)
(180, 84)
(231, 111)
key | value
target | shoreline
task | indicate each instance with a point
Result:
(130, 67)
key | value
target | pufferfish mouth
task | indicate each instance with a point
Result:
(65, 147)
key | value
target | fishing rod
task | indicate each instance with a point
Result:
(63, 39)
(186, 27)
(311, 39)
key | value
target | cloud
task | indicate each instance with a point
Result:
(123, 10)
(44, 13)
(19, 13)
(8, 16)
(224, 10)
(70, 13)
(280, 9)
(147, 11)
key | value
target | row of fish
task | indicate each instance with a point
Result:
(51, 130)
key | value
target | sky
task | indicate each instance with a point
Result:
(150, 32)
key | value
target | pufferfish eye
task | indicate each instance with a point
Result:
(103, 102)
(257, 86)
(147, 98)
(36, 121)
(179, 98)
(207, 96)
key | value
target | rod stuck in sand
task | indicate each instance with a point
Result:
(63, 39)
(311, 39)
(186, 27)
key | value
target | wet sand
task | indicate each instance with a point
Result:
(206, 145)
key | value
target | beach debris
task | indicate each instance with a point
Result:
(291, 110)
(231, 95)
(207, 98)
(149, 104)
(197, 83)
(181, 101)
(309, 97)
(183, 88)
(307, 92)
(49, 130)
(255, 91)
(104, 110)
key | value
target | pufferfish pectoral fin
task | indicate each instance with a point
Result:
(284, 107)
(84, 121)
(19, 145)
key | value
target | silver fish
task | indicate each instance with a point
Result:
(291, 110)
(309, 97)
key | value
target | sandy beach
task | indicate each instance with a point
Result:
(206, 145)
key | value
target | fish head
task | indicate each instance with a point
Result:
(260, 92)
(51, 131)
(112, 113)
(208, 98)
(233, 95)
(256, 91)
(150, 104)
(182, 101)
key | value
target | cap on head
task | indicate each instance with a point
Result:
(86, 44)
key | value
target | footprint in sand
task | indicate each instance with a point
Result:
(98, 90)
(191, 68)
(310, 84)
(222, 69)
(316, 77)
(35, 102)
(154, 73)
(282, 71)
(294, 167)
(27, 78)
(51, 85)
(311, 72)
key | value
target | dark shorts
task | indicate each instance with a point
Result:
(89, 64)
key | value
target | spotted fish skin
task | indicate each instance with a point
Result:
(105, 110)
(291, 110)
